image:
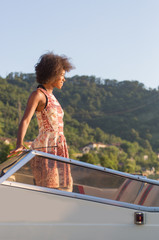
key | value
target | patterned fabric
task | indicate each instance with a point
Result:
(51, 139)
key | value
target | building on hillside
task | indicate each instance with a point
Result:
(5, 140)
(92, 146)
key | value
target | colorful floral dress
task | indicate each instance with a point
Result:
(51, 139)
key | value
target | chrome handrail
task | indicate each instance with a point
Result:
(81, 196)
(95, 167)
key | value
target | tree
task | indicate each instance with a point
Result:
(89, 158)
(4, 151)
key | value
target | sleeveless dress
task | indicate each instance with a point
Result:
(51, 139)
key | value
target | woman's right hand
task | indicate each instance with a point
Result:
(15, 151)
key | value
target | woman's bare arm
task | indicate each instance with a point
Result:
(36, 98)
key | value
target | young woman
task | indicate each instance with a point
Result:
(50, 74)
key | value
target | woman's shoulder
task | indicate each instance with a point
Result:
(37, 94)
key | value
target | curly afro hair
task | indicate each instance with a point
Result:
(51, 65)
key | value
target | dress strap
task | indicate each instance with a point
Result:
(41, 86)
(43, 90)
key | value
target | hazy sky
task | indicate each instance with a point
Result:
(114, 39)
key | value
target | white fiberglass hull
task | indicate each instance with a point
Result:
(28, 214)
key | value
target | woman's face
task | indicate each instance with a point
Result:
(60, 80)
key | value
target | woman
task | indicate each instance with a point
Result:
(50, 74)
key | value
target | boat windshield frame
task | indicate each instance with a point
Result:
(30, 154)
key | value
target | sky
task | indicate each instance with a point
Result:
(109, 39)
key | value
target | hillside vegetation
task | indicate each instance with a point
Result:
(124, 115)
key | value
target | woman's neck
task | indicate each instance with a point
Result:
(48, 87)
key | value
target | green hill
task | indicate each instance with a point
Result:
(96, 110)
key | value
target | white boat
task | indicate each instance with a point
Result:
(104, 203)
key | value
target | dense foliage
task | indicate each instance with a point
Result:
(96, 110)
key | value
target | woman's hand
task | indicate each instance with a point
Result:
(17, 150)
